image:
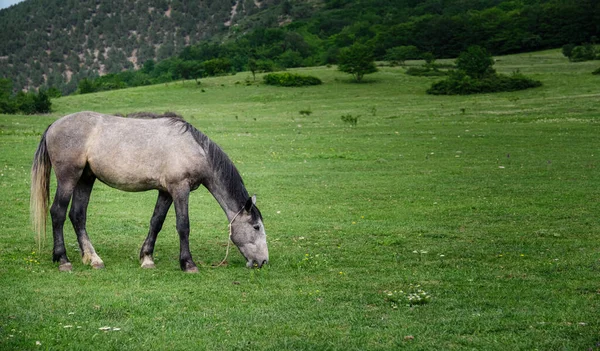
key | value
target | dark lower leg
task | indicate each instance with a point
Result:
(163, 203)
(58, 213)
(183, 228)
(78, 216)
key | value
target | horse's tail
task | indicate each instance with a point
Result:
(40, 189)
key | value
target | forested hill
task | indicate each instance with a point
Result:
(59, 42)
(54, 42)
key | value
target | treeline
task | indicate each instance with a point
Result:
(165, 71)
(446, 28)
(22, 102)
(283, 34)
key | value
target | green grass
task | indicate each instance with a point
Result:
(489, 202)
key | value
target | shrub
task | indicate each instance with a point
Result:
(476, 75)
(8, 106)
(459, 83)
(30, 103)
(352, 120)
(425, 72)
(290, 79)
(87, 86)
(597, 71)
(41, 102)
(218, 66)
(567, 50)
(54, 93)
(582, 53)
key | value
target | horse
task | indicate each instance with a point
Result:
(139, 153)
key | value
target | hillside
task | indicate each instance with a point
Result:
(56, 43)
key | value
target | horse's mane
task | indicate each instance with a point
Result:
(151, 115)
(225, 169)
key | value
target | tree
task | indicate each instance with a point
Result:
(189, 69)
(290, 58)
(399, 54)
(148, 67)
(357, 60)
(476, 62)
(429, 60)
(41, 102)
(54, 93)
(7, 105)
(217, 66)
(253, 67)
(6, 87)
(87, 86)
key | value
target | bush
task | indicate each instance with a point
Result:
(8, 106)
(349, 119)
(54, 93)
(567, 50)
(28, 103)
(87, 86)
(425, 72)
(290, 80)
(216, 67)
(41, 102)
(459, 83)
(582, 53)
(597, 71)
(476, 75)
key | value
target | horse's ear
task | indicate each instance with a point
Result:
(250, 203)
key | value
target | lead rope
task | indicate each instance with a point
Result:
(229, 241)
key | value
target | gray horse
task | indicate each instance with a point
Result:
(164, 153)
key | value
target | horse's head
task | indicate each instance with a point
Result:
(248, 234)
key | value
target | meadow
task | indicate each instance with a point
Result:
(434, 223)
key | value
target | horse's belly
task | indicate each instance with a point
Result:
(126, 176)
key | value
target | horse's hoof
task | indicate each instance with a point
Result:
(98, 265)
(65, 267)
(148, 265)
(147, 262)
(192, 270)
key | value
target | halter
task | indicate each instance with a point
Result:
(229, 241)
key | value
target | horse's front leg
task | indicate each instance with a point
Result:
(181, 199)
(163, 203)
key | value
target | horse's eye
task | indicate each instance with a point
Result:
(256, 227)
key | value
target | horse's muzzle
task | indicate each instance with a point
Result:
(256, 264)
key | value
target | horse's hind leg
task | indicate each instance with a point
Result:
(58, 212)
(158, 218)
(78, 216)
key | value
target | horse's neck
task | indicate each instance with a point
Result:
(229, 203)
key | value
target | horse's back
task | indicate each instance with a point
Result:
(131, 154)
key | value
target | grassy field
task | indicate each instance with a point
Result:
(482, 209)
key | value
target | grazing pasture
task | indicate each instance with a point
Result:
(431, 223)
